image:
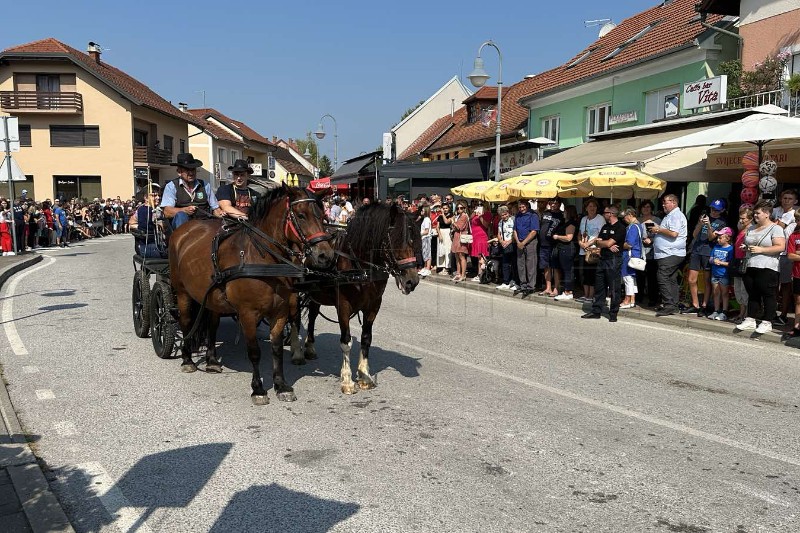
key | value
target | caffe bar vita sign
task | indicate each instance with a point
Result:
(704, 93)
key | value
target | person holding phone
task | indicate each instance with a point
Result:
(647, 280)
(704, 235)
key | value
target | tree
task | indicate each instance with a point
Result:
(309, 143)
(325, 167)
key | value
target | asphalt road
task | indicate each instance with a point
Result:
(491, 414)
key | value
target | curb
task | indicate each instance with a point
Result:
(41, 507)
(638, 313)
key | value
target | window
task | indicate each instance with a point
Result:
(250, 160)
(74, 136)
(183, 146)
(580, 58)
(221, 155)
(83, 187)
(24, 135)
(644, 31)
(168, 143)
(662, 103)
(473, 112)
(234, 155)
(139, 138)
(597, 118)
(17, 187)
(551, 127)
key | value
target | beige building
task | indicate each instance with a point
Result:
(87, 129)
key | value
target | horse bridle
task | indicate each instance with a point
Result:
(291, 225)
(396, 266)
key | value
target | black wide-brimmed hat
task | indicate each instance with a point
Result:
(240, 165)
(187, 160)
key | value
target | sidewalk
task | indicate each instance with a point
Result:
(691, 321)
(26, 502)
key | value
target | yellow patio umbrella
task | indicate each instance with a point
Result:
(501, 192)
(474, 189)
(547, 185)
(618, 182)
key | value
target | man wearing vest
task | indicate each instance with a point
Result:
(187, 198)
(236, 199)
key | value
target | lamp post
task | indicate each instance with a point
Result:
(320, 133)
(478, 78)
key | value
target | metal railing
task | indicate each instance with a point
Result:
(147, 154)
(41, 101)
(754, 100)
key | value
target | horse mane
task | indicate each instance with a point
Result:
(367, 229)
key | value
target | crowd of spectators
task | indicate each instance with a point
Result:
(56, 223)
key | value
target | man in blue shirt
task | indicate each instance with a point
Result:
(526, 229)
(186, 197)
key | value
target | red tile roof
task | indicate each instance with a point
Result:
(247, 132)
(129, 87)
(221, 133)
(435, 130)
(675, 25)
(287, 161)
(484, 93)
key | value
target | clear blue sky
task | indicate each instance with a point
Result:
(280, 66)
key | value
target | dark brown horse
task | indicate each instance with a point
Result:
(380, 242)
(253, 279)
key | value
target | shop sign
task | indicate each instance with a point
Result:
(512, 160)
(622, 118)
(257, 169)
(704, 93)
(786, 157)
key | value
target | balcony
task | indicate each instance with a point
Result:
(41, 102)
(151, 155)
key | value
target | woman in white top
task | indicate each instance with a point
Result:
(425, 233)
(764, 243)
(589, 229)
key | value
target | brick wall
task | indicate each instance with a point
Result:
(768, 36)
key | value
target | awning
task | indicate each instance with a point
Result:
(463, 170)
(349, 171)
(325, 183)
(673, 165)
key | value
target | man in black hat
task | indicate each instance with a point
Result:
(235, 199)
(186, 197)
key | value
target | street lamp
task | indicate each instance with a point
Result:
(478, 77)
(320, 133)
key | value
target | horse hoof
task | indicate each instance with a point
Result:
(214, 368)
(286, 396)
(349, 389)
(311, 353)
(189, 368)
(259, 399)
(298, 361)
(367, 385)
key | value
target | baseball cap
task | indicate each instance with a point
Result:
(718, 205)
(24, 191)
(725, 231)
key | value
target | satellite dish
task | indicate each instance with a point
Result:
(607, 27)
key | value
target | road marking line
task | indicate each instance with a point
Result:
(30, 369)
(125, 516)
(17, 346)
(638, 323)
(45, 394)
(613, 408)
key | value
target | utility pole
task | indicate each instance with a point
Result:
(7, 139)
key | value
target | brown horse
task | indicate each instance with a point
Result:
(380, 241)
(253, 277)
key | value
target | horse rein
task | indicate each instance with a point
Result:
(397, 266)
(291, 225)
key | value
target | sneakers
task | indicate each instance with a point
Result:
(722, 317)
(476, 278)
(627, 306)
(503, 287)
(424, 272)
(747, 324)
(666, 311)
(563, 296)
(764, 327)
(713, 316)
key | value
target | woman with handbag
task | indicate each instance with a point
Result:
(632, 257)
(480, 222)
(648, 280)
(763, 245)
(589, 228)
(745, 222)
(462, 238)
(445, 240)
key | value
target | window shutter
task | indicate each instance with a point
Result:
(74, 136)
(24, 135)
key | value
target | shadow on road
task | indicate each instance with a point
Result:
(174, 479)
(47, 309)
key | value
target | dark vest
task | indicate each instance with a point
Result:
(184, 199)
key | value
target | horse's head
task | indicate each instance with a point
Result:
(402, 246)
(301, 226)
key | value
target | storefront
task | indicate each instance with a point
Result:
(412, 179)
(360, 175)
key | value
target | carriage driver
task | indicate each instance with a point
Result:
(235, 199)
(186, 198)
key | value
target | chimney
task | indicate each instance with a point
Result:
(94, 51)
(274, 138)
(183, 106)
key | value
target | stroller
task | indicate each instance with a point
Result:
(489, 269)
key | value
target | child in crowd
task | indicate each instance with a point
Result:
(793, 253)
(721, 256)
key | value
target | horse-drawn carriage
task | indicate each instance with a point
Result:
(254, 271)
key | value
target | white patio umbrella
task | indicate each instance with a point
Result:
(758, 129)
